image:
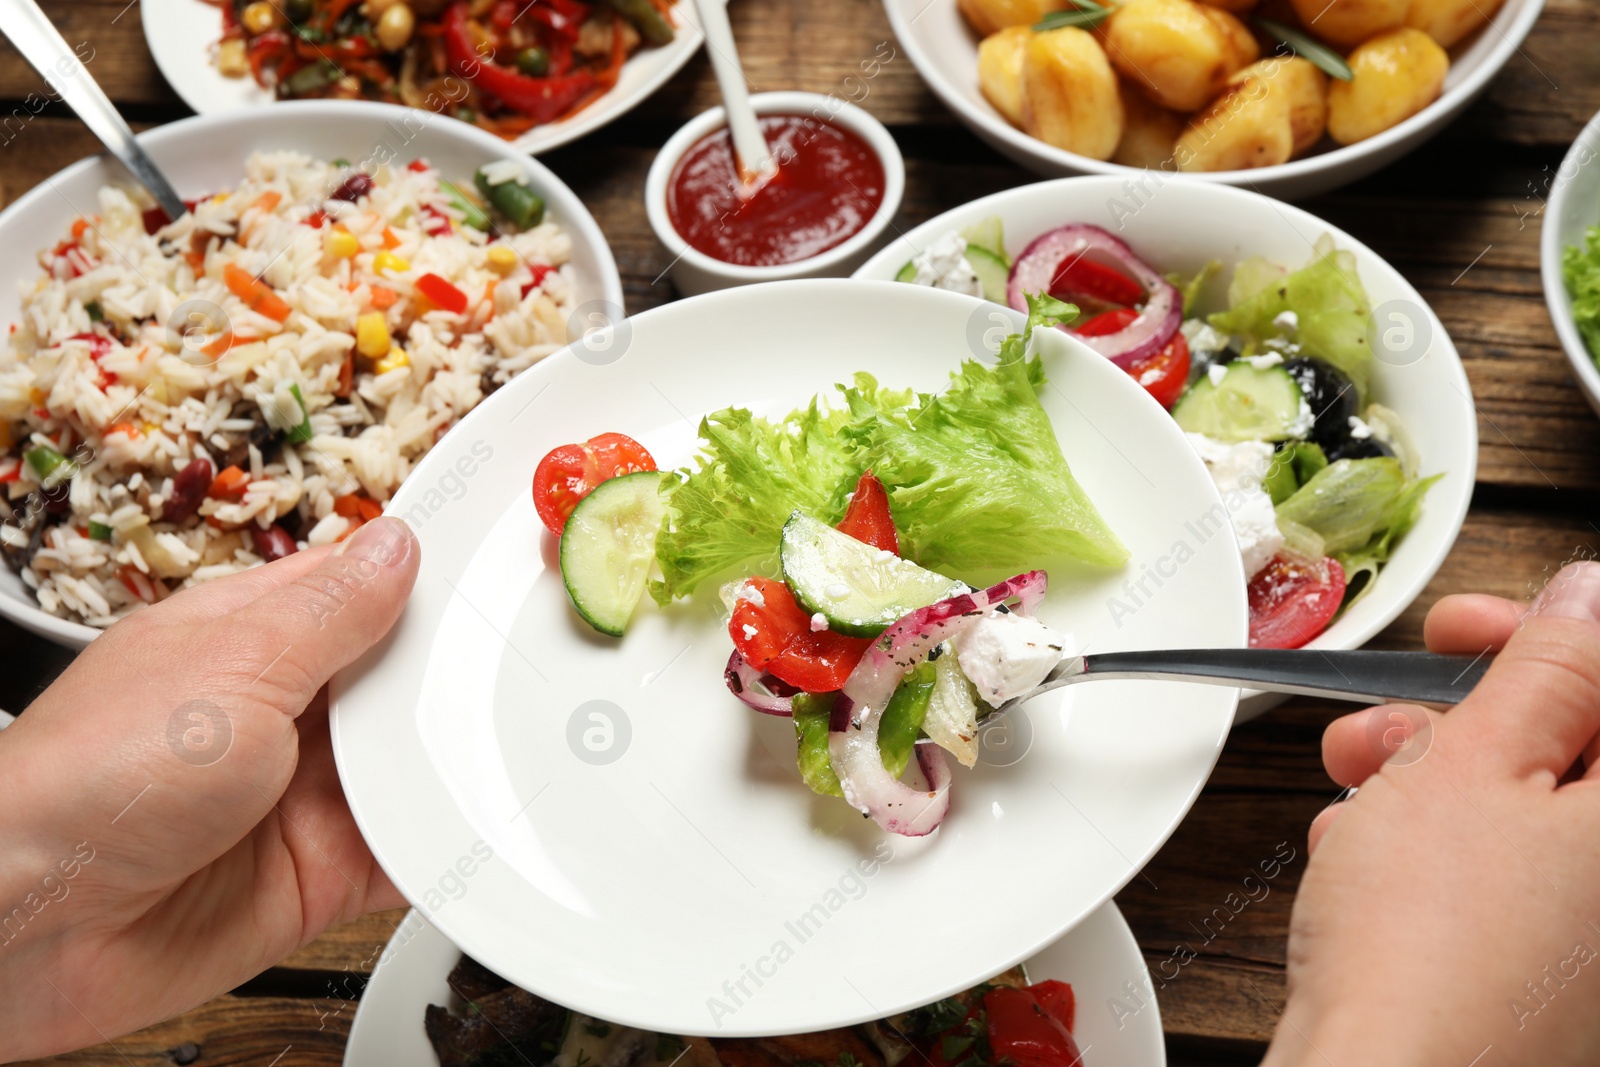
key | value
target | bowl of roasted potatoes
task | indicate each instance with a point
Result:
(1287, 97)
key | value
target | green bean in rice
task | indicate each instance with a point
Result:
(161, 427)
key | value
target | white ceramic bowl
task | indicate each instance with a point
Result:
(182, 33)
(694, 272)
(601, 822)
(1098, 958)
(1182, 225)
(205, 154)
(945, 52)
(1574, 206)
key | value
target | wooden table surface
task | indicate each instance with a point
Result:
(1459, 217)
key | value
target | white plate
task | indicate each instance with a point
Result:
(182, 34)
(640, 889)
(1180, 226)
(205, 154)
(945, 52)
(1099, 958)
(1574, 206)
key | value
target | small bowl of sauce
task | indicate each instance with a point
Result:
(824, 210)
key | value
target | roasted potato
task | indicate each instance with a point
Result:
(1069, 93)
(1149, 130)
(1448, 21)
(1343, 23)
(1178, 51)
(1397, 74)
(1306, 90)
(1233, 7)
(1000, 70)
(1242, 47)
(1245, 127)
(991, 16)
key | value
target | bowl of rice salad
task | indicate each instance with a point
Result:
(184, 400)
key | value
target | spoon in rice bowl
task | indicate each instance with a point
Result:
(63, 69)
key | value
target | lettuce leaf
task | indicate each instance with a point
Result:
(976, 478)
(1331, 307)
(1360, 507)
(1580, 266)
(730, 509)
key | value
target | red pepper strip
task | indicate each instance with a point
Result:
(541, 99)
(540, 272)
(503, 15)
(98, 346)
(442, 294)
(868, 519)
(265, 51)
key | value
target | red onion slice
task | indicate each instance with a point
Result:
(761, 691)
(1146, 335)
(858, 711)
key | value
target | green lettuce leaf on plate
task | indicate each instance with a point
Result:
(1333, 315)
(976, 478)
(729, 510)
(1580, 266)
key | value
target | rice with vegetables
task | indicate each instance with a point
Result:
(180, 401)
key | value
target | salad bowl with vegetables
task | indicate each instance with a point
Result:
(1324, 396)
(559, 69)
(638, 834)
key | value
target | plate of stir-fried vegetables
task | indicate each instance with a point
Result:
(539, 73)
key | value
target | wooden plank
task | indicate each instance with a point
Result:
(351, 947)
(108, 37)
(258, 1031)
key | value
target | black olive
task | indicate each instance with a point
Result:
(1359, 448)
(1331, 395)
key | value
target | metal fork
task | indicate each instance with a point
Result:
(1363, 676)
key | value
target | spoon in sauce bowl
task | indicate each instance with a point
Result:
(750, 148)
(42, 45)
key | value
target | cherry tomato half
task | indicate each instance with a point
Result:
(774, 635)
(1080, 277)
(1292, 600)
(1164, 374)
(568, 473)
(1023, 1033)
(868, 519)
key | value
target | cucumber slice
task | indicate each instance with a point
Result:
(989, 235)
(993, 272)
(1247, 405)
(608, 546)
(908, 273)
(859, 589)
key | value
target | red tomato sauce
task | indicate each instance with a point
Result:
(828, 186)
